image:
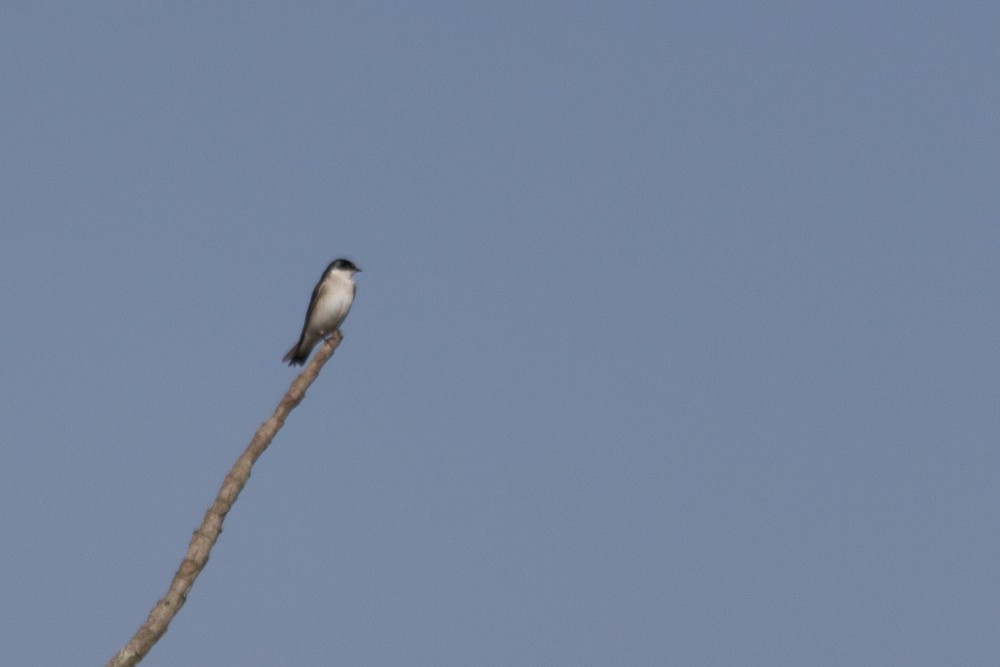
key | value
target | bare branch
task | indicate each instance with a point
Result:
(208, 532)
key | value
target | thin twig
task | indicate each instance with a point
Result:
(208, 532)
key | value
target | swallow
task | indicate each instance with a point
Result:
(331, 301)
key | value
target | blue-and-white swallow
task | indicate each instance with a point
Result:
(330, 303)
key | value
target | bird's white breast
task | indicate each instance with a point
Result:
(333, 304)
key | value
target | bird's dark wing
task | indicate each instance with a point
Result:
(312, 302)
(294, 355)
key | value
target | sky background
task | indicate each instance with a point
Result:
(675, 342)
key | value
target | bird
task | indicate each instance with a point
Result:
(331, 301)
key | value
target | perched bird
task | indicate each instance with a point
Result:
(330, 303)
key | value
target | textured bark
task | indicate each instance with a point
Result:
(208, 532)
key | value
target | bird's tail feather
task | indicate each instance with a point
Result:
(296, 356)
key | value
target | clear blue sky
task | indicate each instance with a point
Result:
(676, 341)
